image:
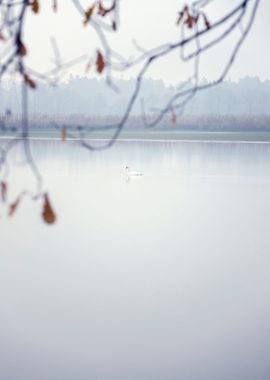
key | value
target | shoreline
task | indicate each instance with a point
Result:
(158, 136)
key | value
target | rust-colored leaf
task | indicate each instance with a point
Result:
(30, 83)
(64, 134)
(48, 214)
(22, 49)
(35, 6)
(3, 191)
(88, 14)
(185, 11)
(13, 206)
(180, 17)
(100, 63)
(190, 21)
(2, 38)
(187, 17)
(102, 11)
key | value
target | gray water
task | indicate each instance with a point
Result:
(163, 277)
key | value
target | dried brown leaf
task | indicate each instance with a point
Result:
(13, 206)
(3, 191)
(101, 10)
(100, 63)
(30, 83)
(88, 14)
(190, 21)
(48, 214)
(35, 6)
(180, 17)
(22, 49)
(182, 13)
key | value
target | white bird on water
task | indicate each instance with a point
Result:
(132, 173)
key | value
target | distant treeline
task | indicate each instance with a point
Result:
(241, 105)
(248, 96)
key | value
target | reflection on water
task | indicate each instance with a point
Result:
(163, 277)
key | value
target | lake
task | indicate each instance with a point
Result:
(163, 277)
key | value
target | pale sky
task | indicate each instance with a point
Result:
(150, 22)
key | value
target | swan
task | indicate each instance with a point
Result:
(133, 173)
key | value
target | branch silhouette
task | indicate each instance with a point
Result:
(197, 35)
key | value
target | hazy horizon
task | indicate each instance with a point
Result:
(91, 96)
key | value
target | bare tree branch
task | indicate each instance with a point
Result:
(198, 35)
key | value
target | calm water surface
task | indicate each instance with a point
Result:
(166, 277)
